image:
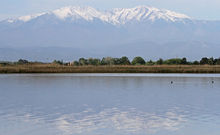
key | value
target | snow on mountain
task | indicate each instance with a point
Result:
(30, 17)
(116, 16)
(141, 13)
(87, 13)
(25, 18)
(87, 32)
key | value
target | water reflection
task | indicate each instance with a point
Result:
(118, 121)
(111, 104)
(108, 121)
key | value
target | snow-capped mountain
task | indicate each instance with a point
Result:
(88, 32)
(116, 16)
(143, 13)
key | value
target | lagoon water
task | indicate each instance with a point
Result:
(110, 104)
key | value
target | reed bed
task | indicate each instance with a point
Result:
(53, 68)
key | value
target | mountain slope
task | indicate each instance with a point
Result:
(142, 30)
(116, 16)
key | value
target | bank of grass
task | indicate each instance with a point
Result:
(54, 68)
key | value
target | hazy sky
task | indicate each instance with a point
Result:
(199, 9)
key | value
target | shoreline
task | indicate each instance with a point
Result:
(51, 68)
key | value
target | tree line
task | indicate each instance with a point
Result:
(140, 61)
(124, 61)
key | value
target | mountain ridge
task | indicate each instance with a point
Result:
(116, 16)
(87, 32)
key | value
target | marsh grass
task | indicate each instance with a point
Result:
(54, 68)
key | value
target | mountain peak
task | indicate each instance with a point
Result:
(87, 13)
(142, 13)
(117, 16)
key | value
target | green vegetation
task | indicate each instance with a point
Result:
(114, 65)
(140, 61)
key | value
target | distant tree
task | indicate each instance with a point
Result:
(150, 62)
(217, 61)
(138, 61)
(95, 62)
(183, 61)
(59, 62)
(124, 61)
(107, 61)
(5, 63)
(22, 61)
(103, 61)
(90, 61)
(195, 63)
(175, 61)
(76, 63)
(116, 61)
(211, 61)
(159, 62)
(204, 61)
(83, 62)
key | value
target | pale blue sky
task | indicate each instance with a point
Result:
(199, 9)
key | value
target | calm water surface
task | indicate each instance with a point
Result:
(110, 104)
